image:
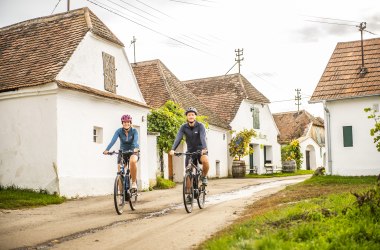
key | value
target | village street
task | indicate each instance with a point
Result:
(159, 222)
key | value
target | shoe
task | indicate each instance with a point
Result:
(204, 180)
(188, 199)
(134, 185)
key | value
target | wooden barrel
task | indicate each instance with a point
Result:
(289, 166)
(238, 169)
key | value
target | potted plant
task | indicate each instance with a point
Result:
(239, 147)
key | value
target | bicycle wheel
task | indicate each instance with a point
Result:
(132, 195)
(201, 193)
(118, 194)
(188, 193)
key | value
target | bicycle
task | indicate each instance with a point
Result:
(122, 187)
(196, 190)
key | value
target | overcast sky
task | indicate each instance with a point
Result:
(198, 38)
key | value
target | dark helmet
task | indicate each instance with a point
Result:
(126, 118)
(191, 109)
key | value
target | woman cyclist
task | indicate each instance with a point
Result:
(128, 142)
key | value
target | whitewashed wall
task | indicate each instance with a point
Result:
(316, 157)
(82, 168)
(362, 158)
(28, 151)
(86, 67)
(267, 134)
(217, 145)
(153, 160)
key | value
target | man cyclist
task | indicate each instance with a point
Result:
(195, 134)
(128, 142)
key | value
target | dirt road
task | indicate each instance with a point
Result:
(160, 221)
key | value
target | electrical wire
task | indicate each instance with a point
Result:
(55, 7)
(335, 19)
(146, 27)
(189, 3)
(130, 11)
(147, 5)
(138, 8)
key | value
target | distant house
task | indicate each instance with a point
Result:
(65, 81)
(308, 130)
(345, 89)
(234, 99)
(158, 85)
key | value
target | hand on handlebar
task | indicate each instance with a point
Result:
(171, 152)
(106, 152)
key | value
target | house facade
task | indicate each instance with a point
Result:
(158, 85)
(62, 107)
(346, 88)
(308, 130)
(234, 99)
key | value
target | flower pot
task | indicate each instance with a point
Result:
(238, 169)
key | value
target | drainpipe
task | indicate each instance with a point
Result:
(329, 158)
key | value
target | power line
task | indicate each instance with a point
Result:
(146, 27)
(189, 3)
(55, 7)
(335, 19)
(130, 11)
(147, 5)
(138, 8)
(330, 23)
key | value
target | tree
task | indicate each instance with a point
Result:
(292, 151)
(375, 132)
(167, 120)
(239, 144)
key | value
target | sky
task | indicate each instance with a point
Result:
(286, 44)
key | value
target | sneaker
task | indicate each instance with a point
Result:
(134, 185)
(188, 199)
(204, 180)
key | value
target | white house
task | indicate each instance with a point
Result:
(234, 99)
(158, 85)
(65, 81)
(310, 133)
(346, 88)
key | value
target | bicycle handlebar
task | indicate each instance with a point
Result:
(188, 153)
(123, 152)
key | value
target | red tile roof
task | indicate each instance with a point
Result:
(293, 125)
(341, 78)
(158, 85)
(224, 94)
(105, 94)
(33, 52)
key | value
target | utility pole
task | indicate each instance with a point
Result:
(362, 27)
(239, 53)
(298, 99)
(134, 48)
(68, 5)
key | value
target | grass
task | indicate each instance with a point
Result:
(299, 172)
(319, 213)
(164, 183)
(15, 198)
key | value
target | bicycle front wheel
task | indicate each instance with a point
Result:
(118, 194)
(188, 192)
(201, 193)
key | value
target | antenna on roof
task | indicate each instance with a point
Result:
(68, 5)
(362, 27)
(134, 48)
(298, 99)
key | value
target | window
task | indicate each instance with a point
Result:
(347, 136)
(256, 117)
(98, 135)
(109, 72)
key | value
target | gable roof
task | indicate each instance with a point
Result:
(224, 94)
(341, 78)
(158, 85)
(33, 52)
(293, 125)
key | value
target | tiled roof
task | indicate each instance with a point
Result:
(224, 94)
(341, 78)
(158, 85)
(33, 52)
(89, 90)
(293, 125)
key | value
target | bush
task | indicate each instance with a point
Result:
(164, 183)
(292, 152)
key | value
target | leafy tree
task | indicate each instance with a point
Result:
(375, 132)
(239, 144)
(292, 151)
(167, 120)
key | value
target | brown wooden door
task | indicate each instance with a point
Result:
(170, 162)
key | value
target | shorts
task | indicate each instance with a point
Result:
(126, 157)
(196, 159)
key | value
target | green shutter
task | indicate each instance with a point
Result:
(347, 136)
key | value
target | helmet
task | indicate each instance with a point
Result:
(126, 118)
(191, 109)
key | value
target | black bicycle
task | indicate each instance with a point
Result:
(122, 188)
(192, 184)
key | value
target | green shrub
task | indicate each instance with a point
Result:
(164, 183)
